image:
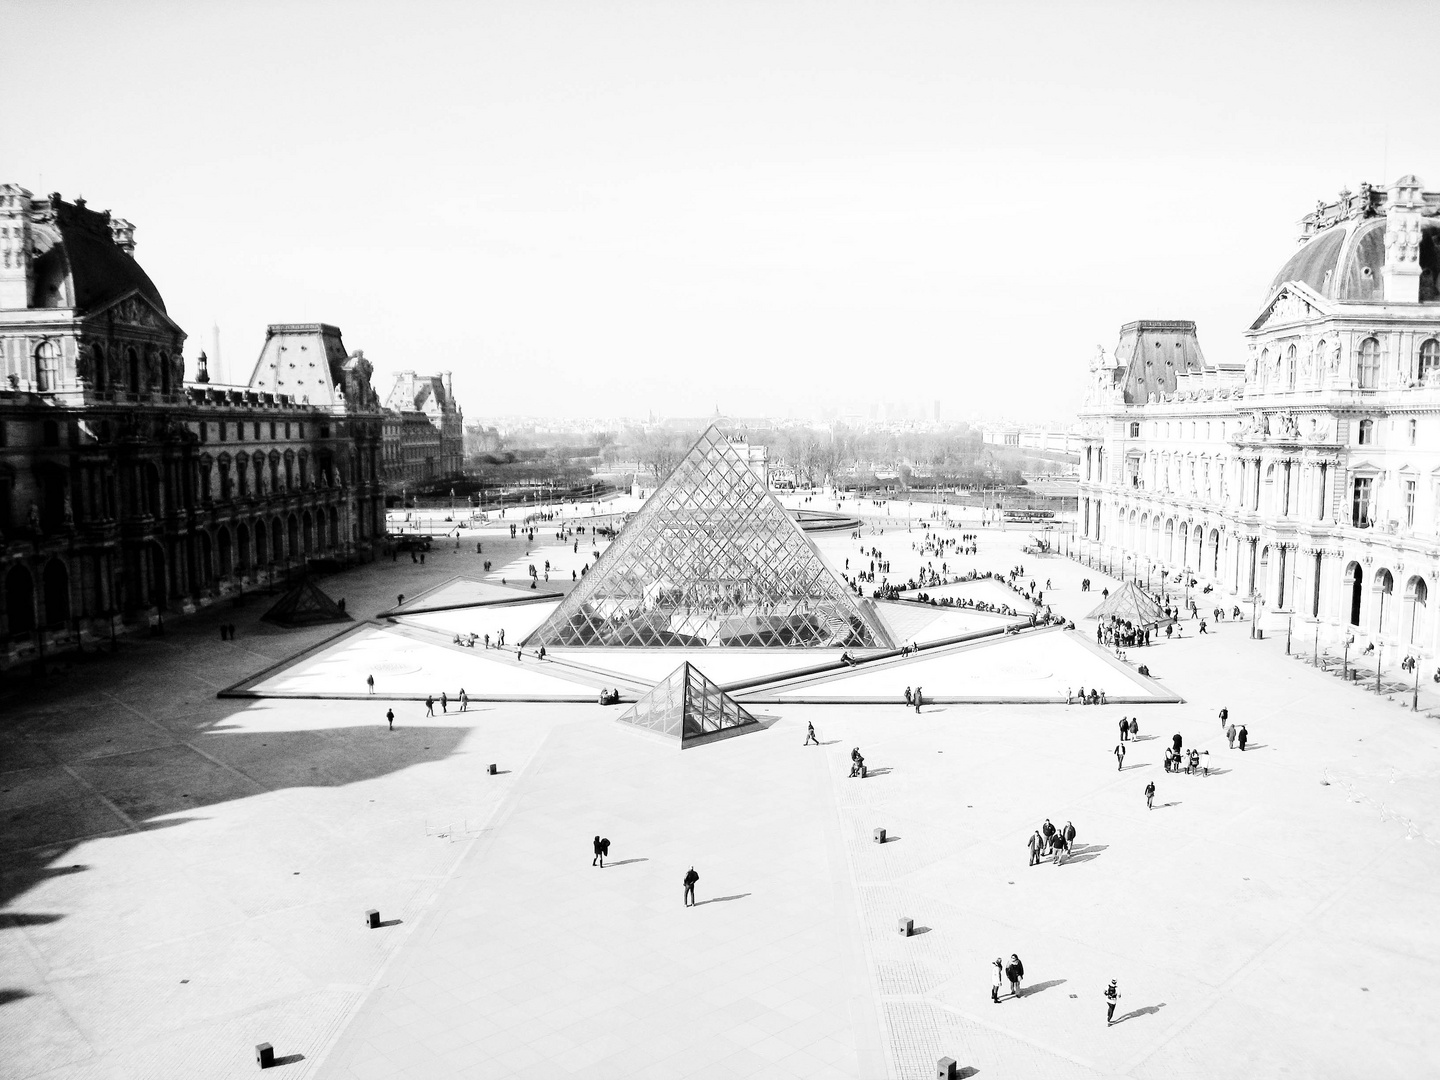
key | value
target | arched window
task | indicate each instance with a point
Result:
(47, 367)
(1429, 358)
(1367, 432)
(1369, 364)
(1291, 367)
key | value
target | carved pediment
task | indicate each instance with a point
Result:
(1293, 303)
(133, 309)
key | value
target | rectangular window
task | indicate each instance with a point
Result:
(1360, 502)
(272, 429)
(287, 429)
(223, 426)
(1410, 502)
(257, 429)
(204, 431)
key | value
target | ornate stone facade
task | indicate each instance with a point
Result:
(1309, 476)
(124, 493)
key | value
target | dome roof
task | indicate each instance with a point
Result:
(79, 264)
(1346, 262)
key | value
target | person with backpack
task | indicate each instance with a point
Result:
(597, 859)
(690, 879)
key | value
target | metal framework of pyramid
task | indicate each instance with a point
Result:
(712, 559)
(1130, 602)
(305, 605)
(687, 706)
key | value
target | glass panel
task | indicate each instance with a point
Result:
(712, 559)
(686, 705)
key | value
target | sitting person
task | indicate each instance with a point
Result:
(857, 764)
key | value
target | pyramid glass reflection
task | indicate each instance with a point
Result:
(712, 559)
(687, 706)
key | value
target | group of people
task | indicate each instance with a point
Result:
(609, 697)
(1121, 633)
(1090, 697)
(1013, 972)
(1048, 840)
(464, 700)
(914, 697)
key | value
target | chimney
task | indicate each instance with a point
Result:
(1402, 241)
(122, 232)
(14, 247)
(449, 392)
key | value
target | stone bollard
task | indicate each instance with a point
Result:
(906, 926)
(264, 1055)
(492, 770)
(945, 1069)
(879, 836)
(372, 919)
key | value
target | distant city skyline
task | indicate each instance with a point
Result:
(780, 208)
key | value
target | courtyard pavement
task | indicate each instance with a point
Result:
(184, 877)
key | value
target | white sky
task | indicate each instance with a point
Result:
(606, 208)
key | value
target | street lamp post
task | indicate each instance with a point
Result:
(1345, 663)
(1317, 643)
(1415, 698)
(1289, 629)
(1254, 603)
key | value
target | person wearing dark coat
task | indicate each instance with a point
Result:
(1178, 742)
(1014, 971)
(1048, 831)
(690, 879)
(1244, 737)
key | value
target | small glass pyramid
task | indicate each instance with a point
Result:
(687, 706)
(712, 559)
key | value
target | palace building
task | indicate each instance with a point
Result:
(1307, 477)
(126, 493)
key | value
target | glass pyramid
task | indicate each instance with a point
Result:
(687, 706)
(712, 559)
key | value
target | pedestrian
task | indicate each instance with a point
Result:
(390, 716)
(464, 698)
(1061, 846)
(690, 879)
(370, 682)
(810, 734)
(1124, 728)
(919, 697)
(444, 702)
(1244, 738)
(1230, 734)
(1224, 717)
(1048, 832)
(1069, 833)
(1112, 996)
(1150, 795)
(1035, 843)
(1178, 742)
(596, 845)
(909, 698)
(1134, 727)
(429, 705)
(1119, 756)
(1168, 759)
(1014, 971)
(995, 980)
(604, 850)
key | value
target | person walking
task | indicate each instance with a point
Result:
(429, 705)
(1134, 727)
(1150, 795)
(464, 700)
(1230, 734)
(1035, 843)
(690, 879)
(1119, 756)
(1048, 831)
(918, 698)
(909, 697)
(810, 734)
(995, 979)
(1178, 742)
(1061, 847)
(370, 682)
(1224, 718)
(1244, 738)
(1014, 971)
(444, 702)
(1112, 998)
(1069, 833)
(1124, 728)
(604, 850)
(390, 717)
(596, 845)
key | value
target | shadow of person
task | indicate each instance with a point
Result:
(1041, 987)
(627, 862)
(1085, 852)
(721, 899)
(1147, 1010)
